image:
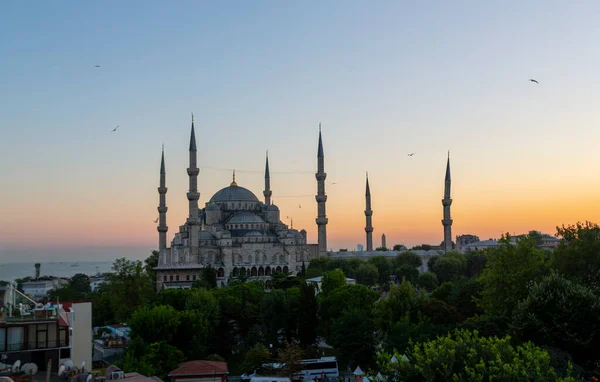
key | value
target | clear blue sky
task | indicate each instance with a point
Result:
(385, 78)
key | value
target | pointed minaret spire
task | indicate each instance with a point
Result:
(162, 206)
(193, 222)
(267, 192)
(321, 198)
(447, 202)
(368, 216)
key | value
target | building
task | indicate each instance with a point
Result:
(359, 248)
(235, 233)
(446, 203)
(200, 371)
(35, 332)
(38, 289)
(96, 281)
(463, 240)
(112, 342)
(383, 241)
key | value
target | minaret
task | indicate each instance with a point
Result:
(383, 241)
(446, 202)
(321, 198)
(368, 214)
(193, 196)
(162, 206)
(267, 192)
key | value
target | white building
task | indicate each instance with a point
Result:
(37, 289)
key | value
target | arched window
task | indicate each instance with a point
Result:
(243, 272)
(278, 270)
(177, 278)
(220, 272)
(268, 271)
(261, 271)
(285, 269)
(253, 271)
(235, 272)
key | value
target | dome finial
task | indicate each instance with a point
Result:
(233, 183)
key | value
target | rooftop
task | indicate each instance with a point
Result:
(199, 367)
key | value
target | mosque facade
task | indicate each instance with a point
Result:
(235, 233)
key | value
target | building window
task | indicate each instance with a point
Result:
(165, 278)
(171, 278)
(177, 278)
(187, 278)
(194, 277)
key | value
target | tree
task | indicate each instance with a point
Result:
(407, 272)
(562, 314)
(332, 280)
(155, 359)
(465, 356)
(308, 319)
(398, 247)
(402, 301)
(449, 267)
(407, 258)
(510, 272)
(154, 324)
(422, 247)
(352, 336)
(177, 298)
(578, 254)
(384, 269)
(367, 274)
(80, 283)
(463, 295)
(346, 298)
(382, 249)
(255, 357)
(274, 315)
(65, 293)
(289, 356)
(151, 262)
(208, 278)
(427, 281)
(475, 263)
(193, 334)
(204, 302)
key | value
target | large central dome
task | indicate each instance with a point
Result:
(234, 193)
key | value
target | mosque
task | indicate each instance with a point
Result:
(239, 235)
(235, 233)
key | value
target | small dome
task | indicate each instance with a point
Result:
(234, 193)
(206, 235)
(212, 207)
(272, 207)
(245, 217)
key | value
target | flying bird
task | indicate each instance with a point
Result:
(331, 184)
(411, 154)
(115, 129)
(532, 80)
(97, 66)
(299, 206)
(156, 221)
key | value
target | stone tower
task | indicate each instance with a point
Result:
(368, 216)
(193, 222)
(321, 198)
(447, 202)
(267, 192)
(383, 241)
(162, 206)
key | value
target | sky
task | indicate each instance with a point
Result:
(385, 78)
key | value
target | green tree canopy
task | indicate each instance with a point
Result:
(578, 254)
(510, 272)
(154, 324)
(384, 268)
(156, 359)
(352, 335)
(80, 283)
(308, 315)
(332, 280)
(449, 266)
(402, 301)
(367, 274)
(409, 273)
(465, 356)
(427, 281)
(563, 314)
(407, 258)
(255, 357)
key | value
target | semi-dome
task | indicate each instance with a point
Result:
(212, 207)
(234, 193)
(206, 235)
(272, 207)
(245, 217)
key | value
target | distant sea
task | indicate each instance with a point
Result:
(13, 271)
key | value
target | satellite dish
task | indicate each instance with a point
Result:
(16, 366)
(30, 368)
(82, 365)
(69, 364)
(61, 369)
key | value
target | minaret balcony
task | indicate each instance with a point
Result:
(321, 220)
(368, 229)
(446, 202)
(320, 176)
(193, 195)
(321, 198)
(162, 190)
(193, 171)
(447, 222)
(368, 213)
(162, 209)
(163, 228)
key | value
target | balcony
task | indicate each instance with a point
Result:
(29, 346)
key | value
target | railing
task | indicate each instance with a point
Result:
(40, 345)
(34, 315)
